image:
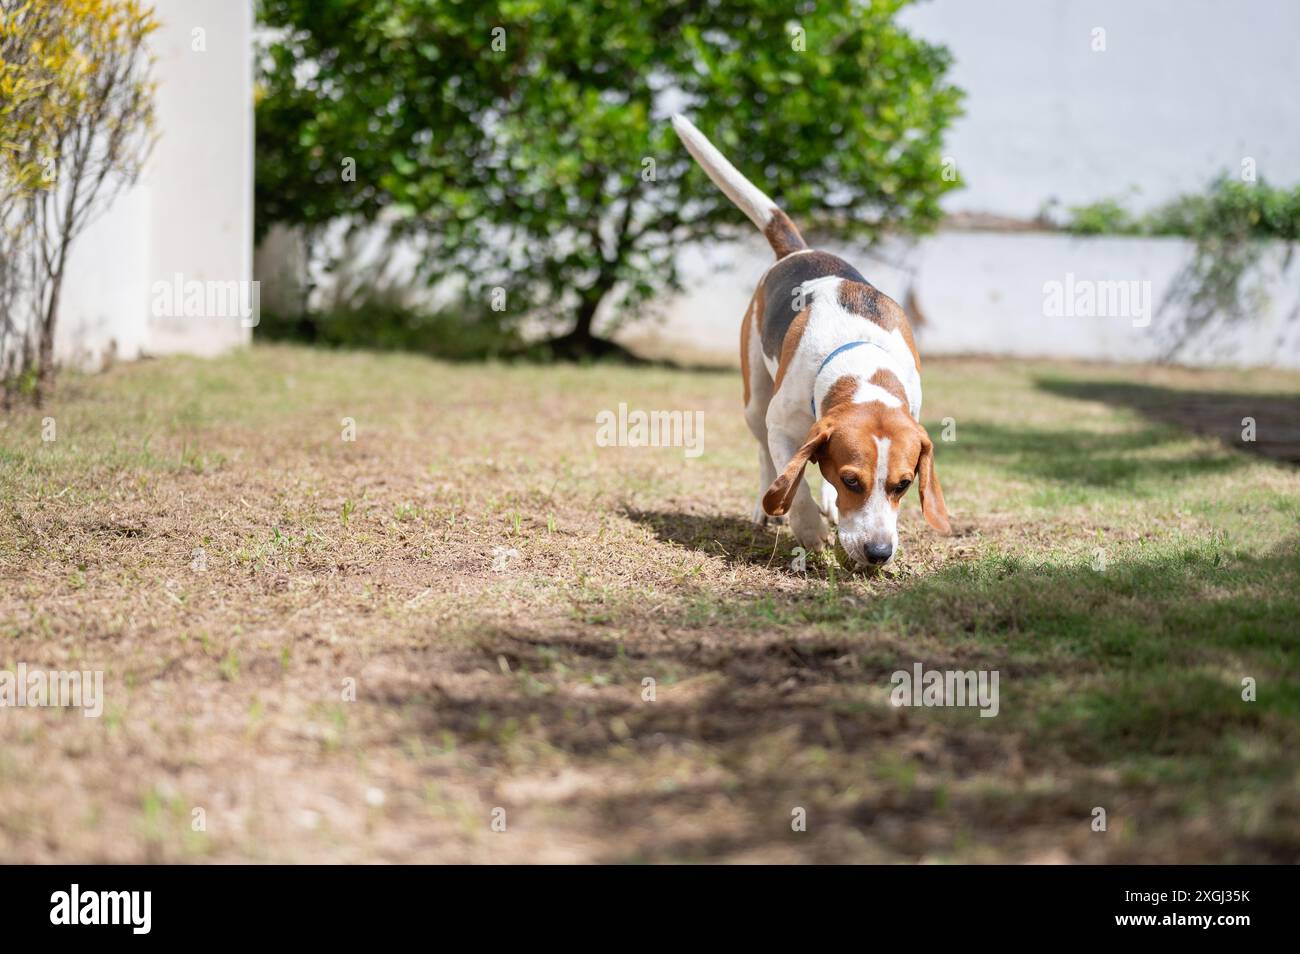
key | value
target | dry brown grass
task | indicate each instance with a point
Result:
(521, 689)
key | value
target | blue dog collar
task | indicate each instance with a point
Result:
(812, 401)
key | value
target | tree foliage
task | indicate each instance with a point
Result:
(525, 141)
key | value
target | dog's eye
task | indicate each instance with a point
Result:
(851, 483)
(902, 485)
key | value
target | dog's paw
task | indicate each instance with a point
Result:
(814, 534)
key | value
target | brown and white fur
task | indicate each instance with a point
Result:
(865, 432)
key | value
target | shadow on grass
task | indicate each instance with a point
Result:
(1218, 414)
(453, 335)
(735, 540)
(1129, 460)
(1120, 688)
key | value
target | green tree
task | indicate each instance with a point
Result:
(525, 142)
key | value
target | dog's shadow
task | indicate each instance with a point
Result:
(731, 538)
(738, 541)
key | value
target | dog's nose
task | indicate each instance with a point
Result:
(879, 553)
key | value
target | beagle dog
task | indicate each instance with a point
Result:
(832, 376)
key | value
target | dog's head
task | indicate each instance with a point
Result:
(871, 455)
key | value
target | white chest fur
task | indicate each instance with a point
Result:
(829, 327)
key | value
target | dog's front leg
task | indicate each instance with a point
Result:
(830, 501)
(806, 521)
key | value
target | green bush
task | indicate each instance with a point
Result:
(527, 145)
(1232, 223)
(1106, 217)
(1229, 206)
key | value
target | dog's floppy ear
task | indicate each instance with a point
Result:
(927, 481)
(780, 495)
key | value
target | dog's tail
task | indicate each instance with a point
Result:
(762, 211)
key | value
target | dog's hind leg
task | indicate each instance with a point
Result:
(758, 393)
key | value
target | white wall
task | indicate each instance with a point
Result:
(983, 293)
(202, 215)
(191, 213)
(1184, 89)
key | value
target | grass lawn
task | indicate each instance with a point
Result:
(370, 650)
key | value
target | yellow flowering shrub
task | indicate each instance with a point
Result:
(76, 118)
